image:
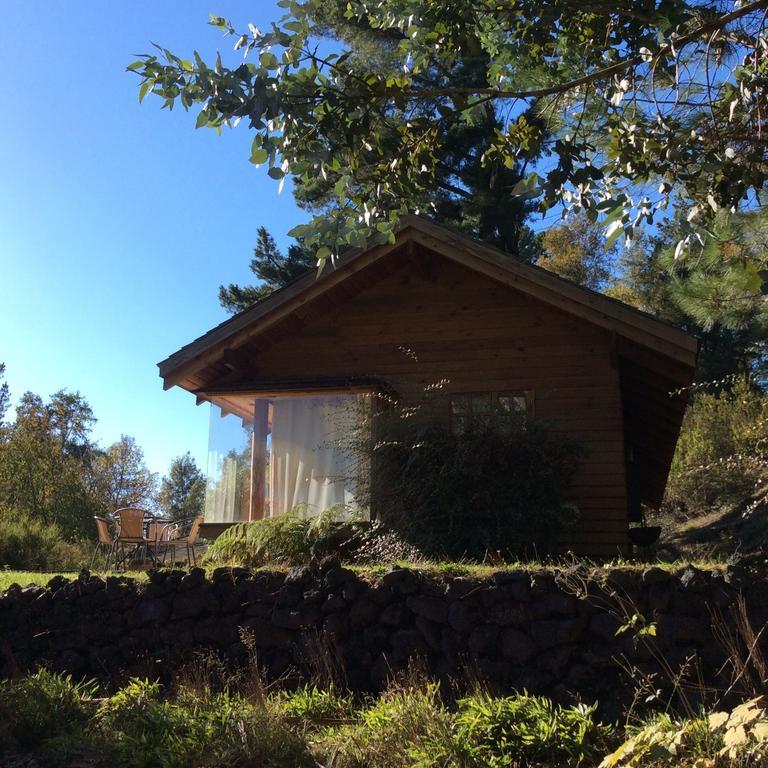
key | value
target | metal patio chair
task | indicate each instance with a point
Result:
(105, 544)
(130, 535)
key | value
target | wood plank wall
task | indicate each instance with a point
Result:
(416, 328)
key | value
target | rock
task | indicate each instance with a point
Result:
(392, 615)
(431, 608)
(149, 612)
(604, 626)
(693, 579)
(516, 646)
(333, 603)
(335, 577)
(463, 616)
(548, 633)
(552, 605)
(403, 580)
(682, 629)
(300, 576)
(194, 578)
(363, 612)
(431, 631)
(656, 575)
(408, 644)
(484, 640)
(509, 614)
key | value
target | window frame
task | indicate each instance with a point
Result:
(494, 397)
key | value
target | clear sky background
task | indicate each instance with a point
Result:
(118, 221)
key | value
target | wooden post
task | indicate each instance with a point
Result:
(258, 459)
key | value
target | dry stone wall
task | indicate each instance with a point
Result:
(514, 630)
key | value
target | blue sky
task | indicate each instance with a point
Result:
(118, 221)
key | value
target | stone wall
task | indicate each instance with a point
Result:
(515, 629)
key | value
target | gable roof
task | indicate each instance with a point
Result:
(638, 327)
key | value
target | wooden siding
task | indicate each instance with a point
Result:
(447, 325)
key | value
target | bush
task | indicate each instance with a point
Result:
(293, 540)
(500, 486)
(42, 710)
(196, 730)
(528, 730)
(405, 727)
(29, 545)
(317, 704)
(721, 454)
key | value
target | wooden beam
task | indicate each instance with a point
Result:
(258, 459)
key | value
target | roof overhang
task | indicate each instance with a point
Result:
(648, 333)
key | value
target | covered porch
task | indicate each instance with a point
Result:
(287, 447)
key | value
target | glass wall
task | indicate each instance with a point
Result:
(228, 487)
(319, 454)
(315, 454)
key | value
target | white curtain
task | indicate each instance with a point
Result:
(311, 453)
(221, 497)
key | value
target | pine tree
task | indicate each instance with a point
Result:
(182, 490)
(271, 267)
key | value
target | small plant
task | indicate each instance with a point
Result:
(43, 707)
(317, 705)
(528, 730)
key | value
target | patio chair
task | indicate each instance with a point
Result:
(190, 541)
(130, 534)
(105, 543)
(159, 535)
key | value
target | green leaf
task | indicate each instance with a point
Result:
(259, 155)
(145, 86)
(268, 60)
(323, 252)
(275, 173)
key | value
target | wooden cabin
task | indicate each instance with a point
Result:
(439, 311)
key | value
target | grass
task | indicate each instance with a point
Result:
(432, 568)
(52, 720)
(41, 578)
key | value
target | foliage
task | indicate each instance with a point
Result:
(575, 250)
(531, 730)
(316, 704)
(182, 490)
(668, 97)
(122, 477)
(295, 540)
(5, 395)
(406, 726)
(26, 543)
(499, 486)
(205, 729)
(721, 454)
(271, 267)
(42, 709)
(54, 479)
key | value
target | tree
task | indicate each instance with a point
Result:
(122, 477)
(182, 490)
(634, 105)
(5, 396)
(576, 251)
(41, 476)
(273, 268)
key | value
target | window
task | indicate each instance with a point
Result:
(470, 406)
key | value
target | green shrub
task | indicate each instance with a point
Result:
(528, 730)
(42, 709)
(500, 485)
(196, 730)
(405, 727)
(722, 452)
(294, 540)
(29, 545)
(316, 704)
